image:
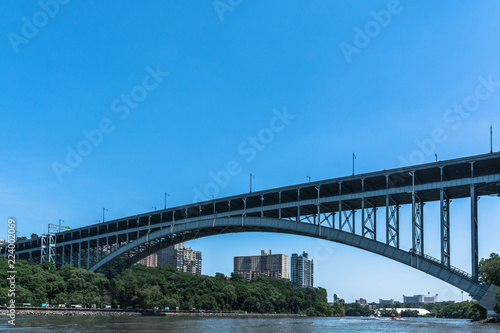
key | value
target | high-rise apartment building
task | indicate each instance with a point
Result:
(150, 261)
(302, 270)
(184, 259)
(273, 265)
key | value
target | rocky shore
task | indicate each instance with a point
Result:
(114, 313)
(489, 320)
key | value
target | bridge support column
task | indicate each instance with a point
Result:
(79, 253)
(279, 204)
(71, 261)
(474, 238)
(88, 253)
(139, 224)
(391, 218)
(262, 206)
(445, 229)
(298, 206)
(97, 243)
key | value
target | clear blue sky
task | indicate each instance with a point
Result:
(372, 78)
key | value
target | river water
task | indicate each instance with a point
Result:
(231, 324)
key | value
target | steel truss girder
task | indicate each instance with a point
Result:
(349, 220)
(369, 219)
(327, 218)
(43, 248)
(368, 215)
(418, 228)
(392, 225)
(48, 248)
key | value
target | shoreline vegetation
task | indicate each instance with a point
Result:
(139, 290)
(25, 311)
(160, 288)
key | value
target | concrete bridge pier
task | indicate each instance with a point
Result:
(489, 301)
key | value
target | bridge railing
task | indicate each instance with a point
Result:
(452, 268)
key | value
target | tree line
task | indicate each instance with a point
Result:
(144, 287)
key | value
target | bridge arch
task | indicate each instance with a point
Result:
(203, 227)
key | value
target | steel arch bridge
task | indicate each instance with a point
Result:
(327, 209)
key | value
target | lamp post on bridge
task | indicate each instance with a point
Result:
(251, 177)
(103, 211)
(309, 177)
(166, 194)
(353, 158)
(491, 139)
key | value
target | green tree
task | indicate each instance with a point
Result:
(33, 235)
(489, 270)
(467, 310)
(355, 309)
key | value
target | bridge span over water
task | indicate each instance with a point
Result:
(326, 209)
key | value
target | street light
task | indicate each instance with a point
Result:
(309, 177)
(154, 208)
(251, 177)
(353, 158)
(103, 211)
(166, 194)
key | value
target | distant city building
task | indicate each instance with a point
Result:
(386, 301)
(150, 261)
(302, 270)
(361, 301)
(273, 265)
(2, 242)
(419, 299)
(184, 259)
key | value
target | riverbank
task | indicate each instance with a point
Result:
(489, 320)
(116, 313)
